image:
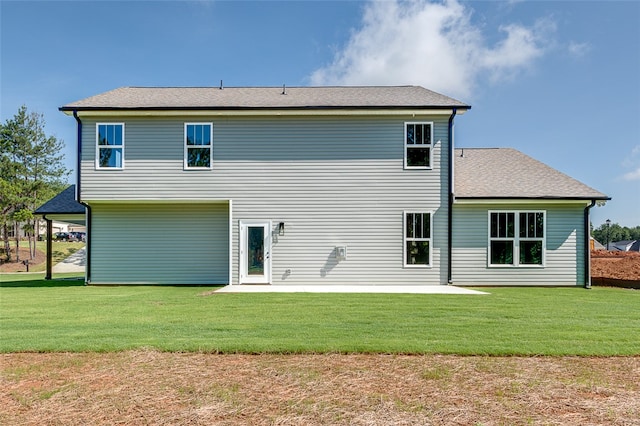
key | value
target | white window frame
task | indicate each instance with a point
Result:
(186, 147)
(406, 239)
(99, 147)
(408, 146)
(516, 239)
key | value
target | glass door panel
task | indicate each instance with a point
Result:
(255, 252)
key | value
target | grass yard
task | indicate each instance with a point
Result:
(60, 251)
(63, 316)
(72, 354)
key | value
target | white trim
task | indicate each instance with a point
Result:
(516, 240)
(266, 112)
(512, 201)
(158, 201)
(404, 238)
(407, 146)
(99, 147)
(243, 277)
(231, 242)
(186, 147)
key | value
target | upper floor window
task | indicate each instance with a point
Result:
(110, 145)
(198, 145)
(418, 145)
(516, 238)
(417, 239)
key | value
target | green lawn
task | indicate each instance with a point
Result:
(60, 251)
(67, 316)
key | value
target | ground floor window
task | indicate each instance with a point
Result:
(417, 238)
(516, 238)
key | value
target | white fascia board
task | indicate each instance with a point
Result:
(505, 201)
(266, 112)
(158, 201)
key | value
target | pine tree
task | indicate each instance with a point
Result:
(31, 172)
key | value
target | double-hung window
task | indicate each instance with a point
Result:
(110, 145)
(418, 145)
(417, 239)
(198, 145)
(516, 238)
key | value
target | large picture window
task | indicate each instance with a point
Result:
(198, 145)
(418, 145)
(516, 238)
(110, 145)
(417, 239)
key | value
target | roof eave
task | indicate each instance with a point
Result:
(71, 108)
(528, 199)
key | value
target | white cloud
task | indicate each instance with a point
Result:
(430, 44)
(578, 49)
(633, 175)
(632, 161)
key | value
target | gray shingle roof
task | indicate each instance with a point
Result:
(265, 98)
(63, 203)
(508, 173)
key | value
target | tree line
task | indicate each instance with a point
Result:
(615, 232)
(31, 172)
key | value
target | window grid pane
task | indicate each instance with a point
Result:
(417, 238)
(198, 145)
(418, 157)
(410, 134)
(110, 149)
(528, 238)
(501, 253)
(417, 253)
(418, 145)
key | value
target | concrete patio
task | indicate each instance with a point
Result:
(392, 289)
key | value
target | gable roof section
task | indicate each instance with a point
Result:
(506, 173)
(63, 203)
(214, 98)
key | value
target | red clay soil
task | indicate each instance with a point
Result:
(615, 268)
(14, 266)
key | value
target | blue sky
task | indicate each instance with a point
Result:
(558, 80)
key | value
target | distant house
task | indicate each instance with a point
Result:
(626, 245)
(315, 185)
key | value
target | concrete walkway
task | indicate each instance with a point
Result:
(409, 289)
(74, 263)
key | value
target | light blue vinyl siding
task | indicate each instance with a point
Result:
(333, 181)
(152, 243)
(564, 259)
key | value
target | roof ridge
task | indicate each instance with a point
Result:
(279, 87)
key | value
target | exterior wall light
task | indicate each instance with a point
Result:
(281, 228)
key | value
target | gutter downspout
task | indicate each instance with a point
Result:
(451, 198)
(587, 246)
(87, 279)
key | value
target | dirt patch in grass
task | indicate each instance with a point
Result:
(148, 387)
(19, 266)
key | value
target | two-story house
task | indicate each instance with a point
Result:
(315, 185)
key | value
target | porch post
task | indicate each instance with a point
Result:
(49, 248)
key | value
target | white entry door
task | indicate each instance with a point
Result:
(255, 252)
